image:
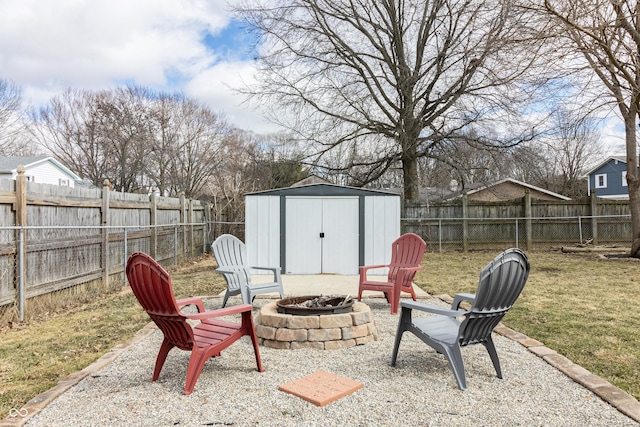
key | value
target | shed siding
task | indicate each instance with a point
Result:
(381, 228)
(262, 231)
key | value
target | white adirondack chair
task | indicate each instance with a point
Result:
(231, 256)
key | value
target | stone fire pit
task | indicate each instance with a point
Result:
(321, 329)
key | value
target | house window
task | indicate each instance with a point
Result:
(30, 178)
(624, 178)
(601, 180)
(63, 182)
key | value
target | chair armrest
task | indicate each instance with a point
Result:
(197, 301)
(414, 305)
(228, 270)
(458, 298)
(277, 278)
(364, 268)
(274, 269)
(227, 311)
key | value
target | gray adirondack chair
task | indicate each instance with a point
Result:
(500, 284)
(231, 256)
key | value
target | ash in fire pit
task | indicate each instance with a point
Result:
(315, 305)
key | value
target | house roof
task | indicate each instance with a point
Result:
(478, 187)
(10, 164)
(622, 159)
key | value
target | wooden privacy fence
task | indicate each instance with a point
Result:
(526, 223)
(55, 238)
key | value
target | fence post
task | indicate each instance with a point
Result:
(153, 220)
(594, 216)
(20, 207)
(175, 244)
(528, 226)
(191, 236)
(183, 215)
(106, 187)
(465, 224)
(124, 258)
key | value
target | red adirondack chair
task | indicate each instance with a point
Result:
(406, 255)
(152, 287)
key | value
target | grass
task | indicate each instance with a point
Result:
(36, 355)
(579, 305)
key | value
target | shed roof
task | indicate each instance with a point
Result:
(322, 190)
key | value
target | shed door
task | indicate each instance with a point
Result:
(322, 235)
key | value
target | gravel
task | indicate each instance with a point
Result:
(419, 391)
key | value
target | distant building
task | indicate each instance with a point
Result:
(504, 190)
(609, 178)
(40, 169)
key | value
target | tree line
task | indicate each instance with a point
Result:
(142, 140)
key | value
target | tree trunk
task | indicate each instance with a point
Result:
(410, 175)
(633, 182)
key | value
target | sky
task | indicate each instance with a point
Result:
(187, 46)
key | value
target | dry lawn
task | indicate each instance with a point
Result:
(580, 305)
(34, 356)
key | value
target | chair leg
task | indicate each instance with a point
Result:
(196, 363)
(405, 319)
(160, 359)
(454, 356)
(247, 321)
(226, 297)
(411, 291)
(491, 348)
(395, 298)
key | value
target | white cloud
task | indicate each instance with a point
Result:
(216, 87)
(47, 46)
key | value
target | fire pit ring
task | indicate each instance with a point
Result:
(328, 331)
(313, 305)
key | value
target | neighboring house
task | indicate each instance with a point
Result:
(609, 178)
(506, 189)
(40, 169)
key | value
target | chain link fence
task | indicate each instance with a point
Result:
(462, 234)
(39, 260)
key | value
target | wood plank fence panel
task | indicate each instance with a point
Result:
(66, 228)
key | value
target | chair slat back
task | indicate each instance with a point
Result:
(230, 252)
(406, 251)
(500, 284)
(151, 284)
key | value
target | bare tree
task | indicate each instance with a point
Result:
(200, 136)
(12, 126)
(385, 81)
(135, 137)
(125, 126)
(606, 33)
(571, 150)
(70, 127)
